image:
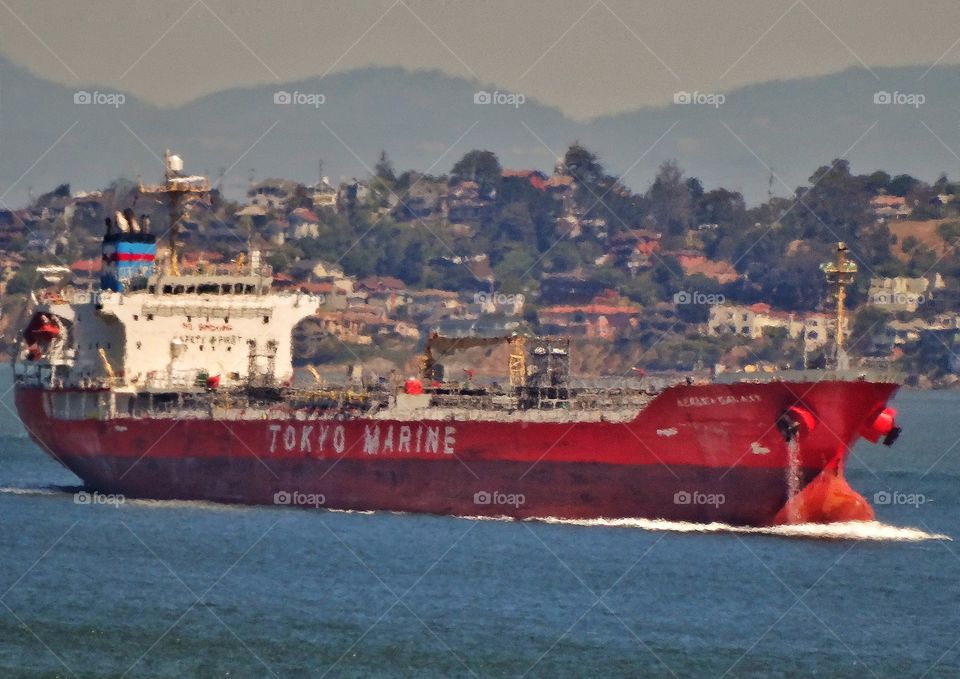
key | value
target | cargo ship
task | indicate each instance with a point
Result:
(177, 382)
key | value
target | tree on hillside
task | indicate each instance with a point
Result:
(877, 182)
(943, 184)
(721, 206)
(902, 184)
(384, 168)
(482, 167)
(583, 165)
(834, 207)
(62, 191)
(695, 188)
(516, 271)
(25, 280)
(669, 199)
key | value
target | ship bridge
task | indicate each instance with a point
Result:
(159, 323)
(206, 279)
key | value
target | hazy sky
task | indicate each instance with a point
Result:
(586, 57)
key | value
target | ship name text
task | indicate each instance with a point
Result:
(375, 439)
(725, 400)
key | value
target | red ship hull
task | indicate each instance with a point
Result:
(695, 453)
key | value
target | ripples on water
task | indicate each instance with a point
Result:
(307, 591)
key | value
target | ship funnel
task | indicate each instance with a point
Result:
(128, 257)
(121, 221)
(131, 218)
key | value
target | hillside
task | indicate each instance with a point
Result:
(926, 232)
(426, 119)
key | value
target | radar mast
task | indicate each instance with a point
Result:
(177, 189)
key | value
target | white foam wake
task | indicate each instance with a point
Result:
(852, 530)
(38, 490)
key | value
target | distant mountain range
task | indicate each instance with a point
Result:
(427, 120)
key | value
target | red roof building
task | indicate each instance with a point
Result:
(86, 266)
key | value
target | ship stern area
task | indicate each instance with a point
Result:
(808, 430)
(28, 400)
(75, 443)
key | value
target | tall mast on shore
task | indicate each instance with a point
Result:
(840, 273)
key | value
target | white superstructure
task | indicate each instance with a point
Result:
(164, 341)
(157, 326)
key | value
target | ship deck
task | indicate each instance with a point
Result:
(342, 403)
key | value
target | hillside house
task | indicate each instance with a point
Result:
(634, 249)
(902, 293)
(463, 203)
(750, 321)
(272, 194)
(535, 178)
(304, 223)
(600, 321)
(324, 195)
(890, 207)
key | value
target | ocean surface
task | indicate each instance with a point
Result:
(167, 589)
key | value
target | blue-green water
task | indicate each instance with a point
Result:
(195, 590)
